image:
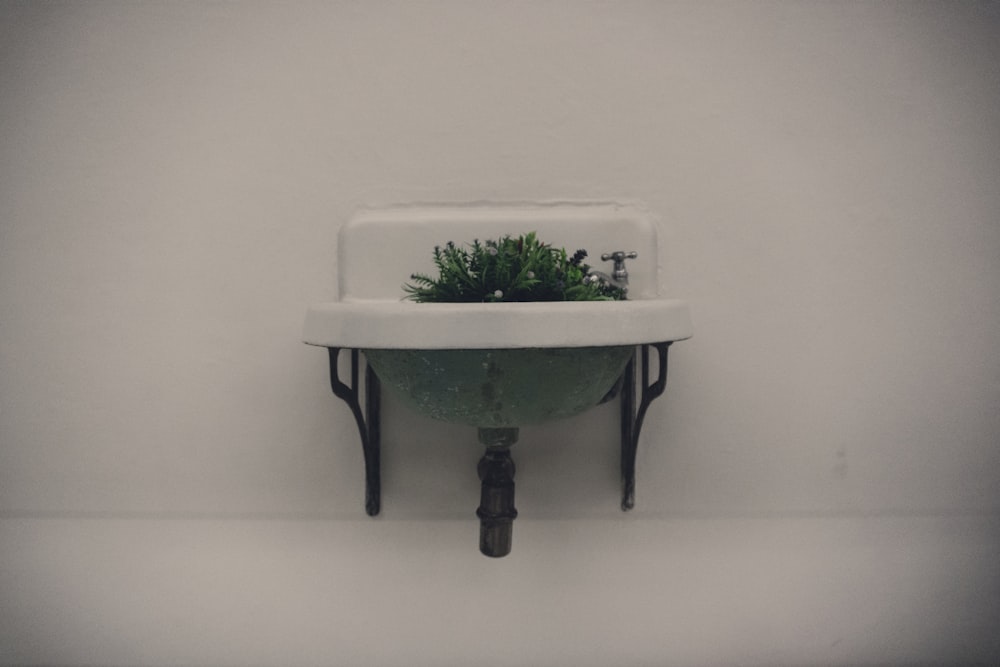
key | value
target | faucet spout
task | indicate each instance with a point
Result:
(594, 276)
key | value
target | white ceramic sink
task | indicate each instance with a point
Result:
(378, 250)
(495, 366)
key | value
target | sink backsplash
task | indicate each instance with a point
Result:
(380, 248)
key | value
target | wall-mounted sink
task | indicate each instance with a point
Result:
(495, 366)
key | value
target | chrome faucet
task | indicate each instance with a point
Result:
(619, 275)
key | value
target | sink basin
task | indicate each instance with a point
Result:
(501, 387)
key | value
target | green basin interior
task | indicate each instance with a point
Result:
(500, 387)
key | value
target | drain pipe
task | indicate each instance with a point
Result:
(496, 506)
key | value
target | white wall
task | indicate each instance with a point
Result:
(178, 486)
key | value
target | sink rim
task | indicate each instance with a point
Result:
(380, 324)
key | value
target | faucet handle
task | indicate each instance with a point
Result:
(619, 256)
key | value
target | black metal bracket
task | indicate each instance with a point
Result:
(368, 423)
(631, 419)
(368, 419)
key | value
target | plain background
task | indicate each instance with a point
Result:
(819, 486)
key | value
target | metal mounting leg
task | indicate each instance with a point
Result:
(368, 424)
(631, 420)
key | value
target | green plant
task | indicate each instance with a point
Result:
(508, 269)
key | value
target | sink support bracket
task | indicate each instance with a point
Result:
(631, 419)
(368, 422)
(368, 418)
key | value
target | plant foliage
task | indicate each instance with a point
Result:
(508, 269)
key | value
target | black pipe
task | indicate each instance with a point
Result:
(496, 506)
